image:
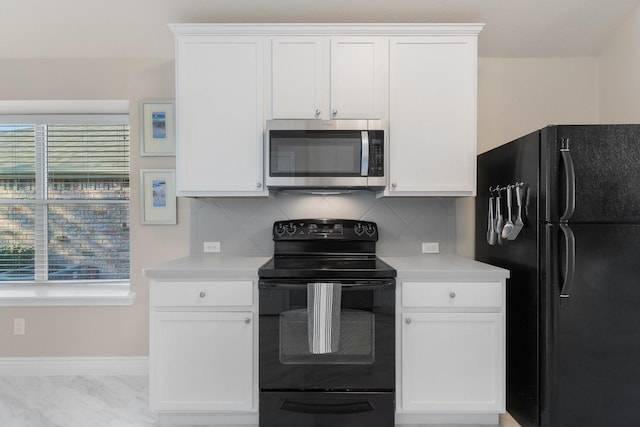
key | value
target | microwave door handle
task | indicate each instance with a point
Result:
(364, 168)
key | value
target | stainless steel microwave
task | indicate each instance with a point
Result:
(325, 153)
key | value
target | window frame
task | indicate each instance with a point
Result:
(98, 292)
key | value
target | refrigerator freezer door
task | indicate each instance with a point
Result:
(591, 377)
(606, 161)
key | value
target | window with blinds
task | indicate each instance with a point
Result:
(64, 199)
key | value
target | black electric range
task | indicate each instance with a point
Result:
(325, 248)
(353, 382)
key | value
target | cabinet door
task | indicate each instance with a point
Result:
(201, 361)
(432, 110)
(219, 116)
(359, 77)
(299, 78)
(322, 78)
(452, 362)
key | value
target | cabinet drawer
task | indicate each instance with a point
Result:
(202, 294)
(451, 294)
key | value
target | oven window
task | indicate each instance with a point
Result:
(353, 336)
(315, 153)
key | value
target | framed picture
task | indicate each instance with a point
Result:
(158, 196)
(157, 128)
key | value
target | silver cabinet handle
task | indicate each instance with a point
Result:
(258, 184)
(452, 295)
(407, 320)
(334, 111)
(318, 112)
(247, 320)
(202, 294)
(394, 184)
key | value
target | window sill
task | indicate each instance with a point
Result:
(65, 294)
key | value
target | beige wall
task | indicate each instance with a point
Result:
(620, 74)
(97, 331)
(519, 95)
(515, 96)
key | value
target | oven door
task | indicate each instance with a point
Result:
(360, 353)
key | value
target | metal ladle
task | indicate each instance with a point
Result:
(499, 220)
(491, 230)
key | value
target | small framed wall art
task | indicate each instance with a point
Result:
(157, 128)
(158, 196)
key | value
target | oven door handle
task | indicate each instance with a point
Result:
(327, 408)
(263, 284)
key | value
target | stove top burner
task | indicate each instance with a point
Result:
(309, 266)
(325, 248)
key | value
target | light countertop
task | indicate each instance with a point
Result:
(444, 267)
(422, 267)
(206, 267)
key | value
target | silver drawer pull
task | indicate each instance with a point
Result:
(407, 320)
(247, 320)
(202, 294)
(452, 295)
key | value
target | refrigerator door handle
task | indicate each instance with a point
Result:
(569, 181)
(570, 260)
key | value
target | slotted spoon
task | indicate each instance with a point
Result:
(519, 222)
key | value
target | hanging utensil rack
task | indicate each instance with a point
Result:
(496, 222)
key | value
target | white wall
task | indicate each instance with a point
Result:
(620, 74)
(97, 331)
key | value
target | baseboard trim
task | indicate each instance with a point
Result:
(249, 419)
(405, 419)
(56, 366)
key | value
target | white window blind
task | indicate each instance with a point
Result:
(64, 198)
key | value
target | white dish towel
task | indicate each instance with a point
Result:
(323, 306)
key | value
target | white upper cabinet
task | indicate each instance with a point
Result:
(297, 77)
(329, 77)
(419, 78)
(219, 104)
(432, 115)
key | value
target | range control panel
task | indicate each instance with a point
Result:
(334, 229)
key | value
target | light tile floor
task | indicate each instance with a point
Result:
(85, 401)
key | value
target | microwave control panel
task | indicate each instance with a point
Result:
(376, 153)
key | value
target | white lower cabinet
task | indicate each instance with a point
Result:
(451, 351)
(204, 361)
(450, 346)
(203, 347)
(451, 361)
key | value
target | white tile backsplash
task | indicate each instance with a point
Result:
(243, 225)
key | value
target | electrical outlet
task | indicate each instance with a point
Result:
(19, 327)
(430, 247)
(212, 247)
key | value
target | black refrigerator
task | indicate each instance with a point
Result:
(573, 299)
